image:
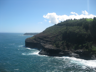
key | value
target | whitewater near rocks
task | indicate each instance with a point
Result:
(15, 57)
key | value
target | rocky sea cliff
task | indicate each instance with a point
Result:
(74, 38)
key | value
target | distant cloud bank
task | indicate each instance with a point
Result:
(54, 18)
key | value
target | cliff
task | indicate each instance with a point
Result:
(74, 38)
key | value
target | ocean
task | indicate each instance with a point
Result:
(15, 57)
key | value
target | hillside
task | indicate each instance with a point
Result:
(71, 36)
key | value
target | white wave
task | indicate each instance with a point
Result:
(31, 53)
(29, 48)
(89, 63)
(20, 45)
(81, 62)
(34, 52)
(23, 53)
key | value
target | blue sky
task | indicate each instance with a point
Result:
(21, 16)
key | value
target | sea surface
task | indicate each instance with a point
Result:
(15, 57)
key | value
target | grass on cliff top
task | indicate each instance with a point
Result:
(89, 19)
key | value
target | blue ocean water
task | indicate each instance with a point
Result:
(15, 57)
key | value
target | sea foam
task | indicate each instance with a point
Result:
(77, 61)
(82, 62)
(31, 52)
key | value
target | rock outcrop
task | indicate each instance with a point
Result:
(50, 50)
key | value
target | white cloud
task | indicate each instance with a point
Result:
(54, 18)
(74, 13)
(85, 12)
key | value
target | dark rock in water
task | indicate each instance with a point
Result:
(50, 52)
(93, 57)
(86, 55)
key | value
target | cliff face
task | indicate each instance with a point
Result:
(74, 38)
(45, 46)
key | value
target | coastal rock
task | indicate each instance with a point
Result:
(57, 52)
(93, 57)
(86, 55)
(48, 49)
(74, 38)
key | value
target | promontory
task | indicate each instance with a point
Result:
(74, 38)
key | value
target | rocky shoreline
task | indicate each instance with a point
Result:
(47, 49)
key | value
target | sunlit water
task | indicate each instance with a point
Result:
(14, 57)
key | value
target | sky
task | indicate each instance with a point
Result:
(21, 16)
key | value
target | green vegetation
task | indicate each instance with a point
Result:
(89, 19)
(93, 48)
(72, 35)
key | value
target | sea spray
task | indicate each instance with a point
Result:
(33, 52)
(72, 60)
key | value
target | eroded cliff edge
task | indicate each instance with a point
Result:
(74, 38)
